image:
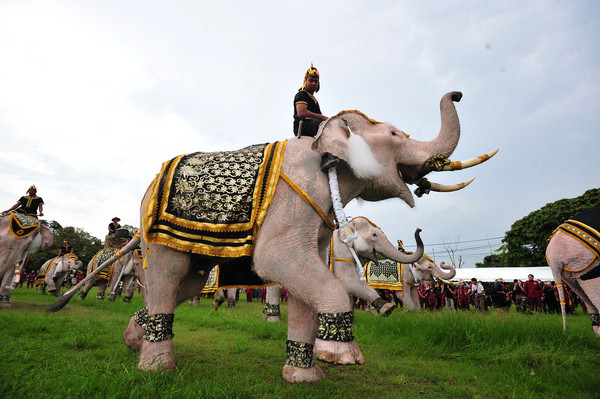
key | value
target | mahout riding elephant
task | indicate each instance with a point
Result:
(343, 264)
(112, 244)
(129, 271)
(53, 272)
(363, 159)
(573, 250)
(19, 235)
(289, 231)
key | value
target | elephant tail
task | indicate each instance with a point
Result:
(561, 297)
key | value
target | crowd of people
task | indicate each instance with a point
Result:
(530, 296)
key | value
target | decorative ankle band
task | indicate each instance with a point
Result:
(231, 303)
(127, 299)
(141, 316)
(595, 317)
(299, 354)
(159, 327)
(271, 310)
(4, 298)
(335, 326)
(82, 294)
(100, 296)
(378, 304)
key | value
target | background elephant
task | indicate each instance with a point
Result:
(363, 159)
(573, 249)
(14, 252)
(129, 271)
(424, 269)
(53, 272)
(112, 243)
(370, 242)
(230, 294)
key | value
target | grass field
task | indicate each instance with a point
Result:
(78, 353)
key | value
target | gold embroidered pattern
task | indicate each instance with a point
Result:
(386, 274)
(213, 203)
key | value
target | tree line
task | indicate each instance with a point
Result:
(526, 241)
(84, 244)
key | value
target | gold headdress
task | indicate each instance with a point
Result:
(312, 71)
(32, 186)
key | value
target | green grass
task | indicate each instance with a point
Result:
(78, 353)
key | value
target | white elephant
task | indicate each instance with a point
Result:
(112, 244)
(20, 235)
(129, 271)
(403, 278)
(53, 272)
(573, 250)
(286, 235)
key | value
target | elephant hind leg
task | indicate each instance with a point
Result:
(170, 280)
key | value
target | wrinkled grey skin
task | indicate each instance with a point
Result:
(291, 246)
(424, 269)
(132, 273)
(13, 251)
(566, 252)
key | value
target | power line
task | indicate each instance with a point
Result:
(456, 242)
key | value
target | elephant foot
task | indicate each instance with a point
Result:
(295, 374)
(5, 305)
(133, 336)
(194, 302)
(596, 330)
(336, 352)
(387, 309)
(157, 356)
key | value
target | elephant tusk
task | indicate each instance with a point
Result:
(425, 186)
(445, 188)
(458, 165)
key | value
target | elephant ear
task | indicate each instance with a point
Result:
(47, 236)
(343, 137)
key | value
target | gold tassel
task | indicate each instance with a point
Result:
(145, 264)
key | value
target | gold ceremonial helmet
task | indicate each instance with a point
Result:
(32, 186)
(312, 71)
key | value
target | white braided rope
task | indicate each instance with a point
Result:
(347, 235)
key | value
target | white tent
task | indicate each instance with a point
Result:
(508, 274)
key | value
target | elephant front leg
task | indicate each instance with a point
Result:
(299, 364)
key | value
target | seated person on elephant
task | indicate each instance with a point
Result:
(307, 113)
(114, 225)
(65, 249)
(28, 204)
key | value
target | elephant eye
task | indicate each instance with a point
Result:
(393, 133)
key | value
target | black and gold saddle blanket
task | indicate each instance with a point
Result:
(386, 274)
(21, 226)
(584, 227)
(213, 203)
(99, 258)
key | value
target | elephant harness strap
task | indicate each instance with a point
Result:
(308, 200)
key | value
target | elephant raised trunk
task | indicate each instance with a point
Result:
(447, 139)
(446, 275)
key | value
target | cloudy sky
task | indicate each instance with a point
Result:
(95, 95)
